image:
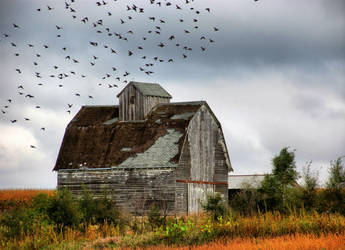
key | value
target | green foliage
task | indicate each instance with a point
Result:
(336, 174)
(155, 217)
(99, 210)
(284, 167)
(308, 190)
(18, 221)
(276, 188)
(246, 201)
(63, 210)
(214, 205)
(332, 200)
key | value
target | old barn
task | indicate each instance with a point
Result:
(146, 150)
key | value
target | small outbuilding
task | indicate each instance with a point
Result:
(145, 151)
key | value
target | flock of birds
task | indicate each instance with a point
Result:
(128, 39)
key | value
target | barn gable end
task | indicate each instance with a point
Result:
(169, 158)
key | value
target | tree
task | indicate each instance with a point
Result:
(284, 167)
(336, 173)
(308, 190)
(283, 177)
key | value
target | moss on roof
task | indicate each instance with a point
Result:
(90, 141)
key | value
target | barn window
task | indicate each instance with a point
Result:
(131, 100)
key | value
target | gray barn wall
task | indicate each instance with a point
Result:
(134, 190)
(207, 159)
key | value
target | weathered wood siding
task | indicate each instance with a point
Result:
(133, 105)
(134, 190)
(207, 159)
(183, 173)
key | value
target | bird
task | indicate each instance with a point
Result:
(130, 53)
(13, 121)
(32, 146)
(26, 119)
(58, 27)
(15, 26)
(43, 128)
(69, 105)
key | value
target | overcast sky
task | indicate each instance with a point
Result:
(272, 71)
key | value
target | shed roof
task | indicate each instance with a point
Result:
(96, 139)
(241, 181)
(149, 89)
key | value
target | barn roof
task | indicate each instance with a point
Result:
(96, 139)
(149, 89)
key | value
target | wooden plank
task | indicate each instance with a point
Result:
(203, 182)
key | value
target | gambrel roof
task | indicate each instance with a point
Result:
(96, 139)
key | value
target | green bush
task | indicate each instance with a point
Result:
(99, 210)
(155, 217)
(215, 206)
(18, 221)
(247, 201)
(63, 210)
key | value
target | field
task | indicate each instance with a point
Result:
(24, 225)
(20, 197)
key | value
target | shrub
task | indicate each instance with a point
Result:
(214, 205)
(99, 210)
(155, 217)
(246, 201)
(18, 221)
(63, 210)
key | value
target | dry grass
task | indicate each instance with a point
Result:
(287, 242)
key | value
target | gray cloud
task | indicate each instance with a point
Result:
(274, 76)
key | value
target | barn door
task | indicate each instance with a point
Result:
(197, 195)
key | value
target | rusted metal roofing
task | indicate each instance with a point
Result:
(149, 89)
(95, 139)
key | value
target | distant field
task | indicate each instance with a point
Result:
(18, 197)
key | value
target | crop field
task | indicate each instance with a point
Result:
(34, 222)
(19, 197)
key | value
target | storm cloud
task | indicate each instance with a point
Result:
(274, 75)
